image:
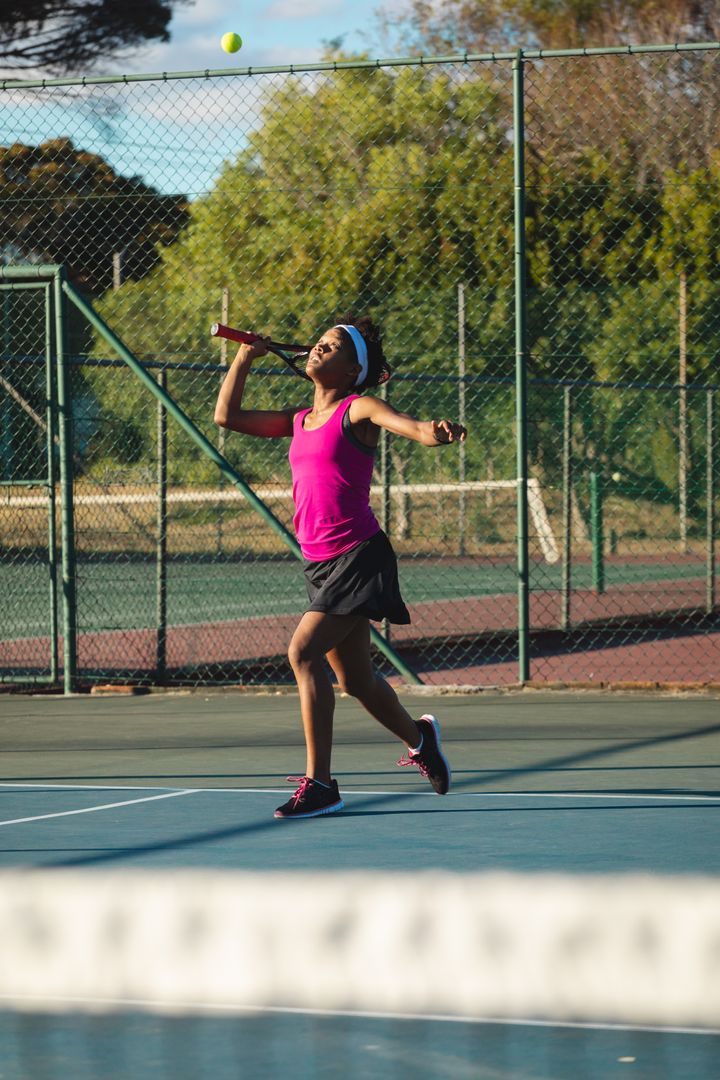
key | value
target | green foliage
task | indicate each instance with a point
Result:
(381, 191)
(59, 204)
(406, 202)
(429, 28)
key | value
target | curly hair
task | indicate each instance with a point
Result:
(379, 371)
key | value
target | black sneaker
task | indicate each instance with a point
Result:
(430, 759)
(311, 799)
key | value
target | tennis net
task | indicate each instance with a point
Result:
(185, 973)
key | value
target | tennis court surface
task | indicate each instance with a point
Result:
(557, 915)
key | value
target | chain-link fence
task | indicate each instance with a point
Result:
(621, 160)
(28, 477)
(275, 200)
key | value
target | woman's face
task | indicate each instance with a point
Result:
(332, 362)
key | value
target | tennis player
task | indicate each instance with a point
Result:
(350, 566)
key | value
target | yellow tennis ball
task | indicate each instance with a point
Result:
(231, 42)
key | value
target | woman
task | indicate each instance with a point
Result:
(350, 566)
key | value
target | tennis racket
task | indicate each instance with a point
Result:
(282, 349)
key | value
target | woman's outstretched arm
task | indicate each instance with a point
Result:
(427, 432)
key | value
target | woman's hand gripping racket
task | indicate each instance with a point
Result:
(279, 348)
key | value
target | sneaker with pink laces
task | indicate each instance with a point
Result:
(311, 799)
(428, 757)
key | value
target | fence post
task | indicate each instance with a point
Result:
(67, 526)
(117, 268)
(161, 544)
(462, 511)
(6, 441)
(683, 454)
(385, 483)
(224, 318)
(710, 508)
(50, 436)
(567, 507)
(523, 559)
(597, 530)
(211, 452)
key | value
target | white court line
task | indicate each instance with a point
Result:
(89, 787)
(535, 795)
(600, 795)
(476, 795)
(94, 809)
(203, 1006)
(479, 795)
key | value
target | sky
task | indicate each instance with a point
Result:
(187, 158)
(273, 32)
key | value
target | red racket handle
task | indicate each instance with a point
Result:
(248, 338)
(219, 330)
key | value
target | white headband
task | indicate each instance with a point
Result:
(360, 349)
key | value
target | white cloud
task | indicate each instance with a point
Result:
(393, 7)
(201, 52)
(200, 13)
(176, 134)
(309, 9)
(275, 32)
(282, 56)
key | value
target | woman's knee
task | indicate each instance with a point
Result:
(302, 653)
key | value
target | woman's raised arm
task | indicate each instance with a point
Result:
(229, 413)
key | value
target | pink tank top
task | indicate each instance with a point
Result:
(331, 487)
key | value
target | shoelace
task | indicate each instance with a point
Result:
(410, 760)
(304, 783)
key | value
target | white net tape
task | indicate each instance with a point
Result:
(631, 949)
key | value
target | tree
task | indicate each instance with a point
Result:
(482, 25)
(75, 35)
(413, 198)
(382, 190)
(59, 204)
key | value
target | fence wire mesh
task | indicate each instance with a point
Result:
(275, 201)
(27, 471)
(621, 157)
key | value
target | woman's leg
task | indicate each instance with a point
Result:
(317, 634)
(350, 660)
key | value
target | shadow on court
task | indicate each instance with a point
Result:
(150, 782)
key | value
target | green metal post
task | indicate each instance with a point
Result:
(567, 507)
(6, 439)
(523, 554)
(385, 481)
(180, 416)
(50, 436)
(462, 508)
(67, 526)
(598, 532)
(215, 456)
(25, 274)
(710, 508)
(8, 284)
(220, 510)
(683, 441)
(161, 545)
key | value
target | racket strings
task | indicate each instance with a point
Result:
(292, 362)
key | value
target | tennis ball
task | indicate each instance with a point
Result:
(231, 42)
(616, 476)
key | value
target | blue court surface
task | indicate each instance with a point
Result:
(379, 829)
(573, 784)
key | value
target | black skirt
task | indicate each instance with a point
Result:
(363, 581)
